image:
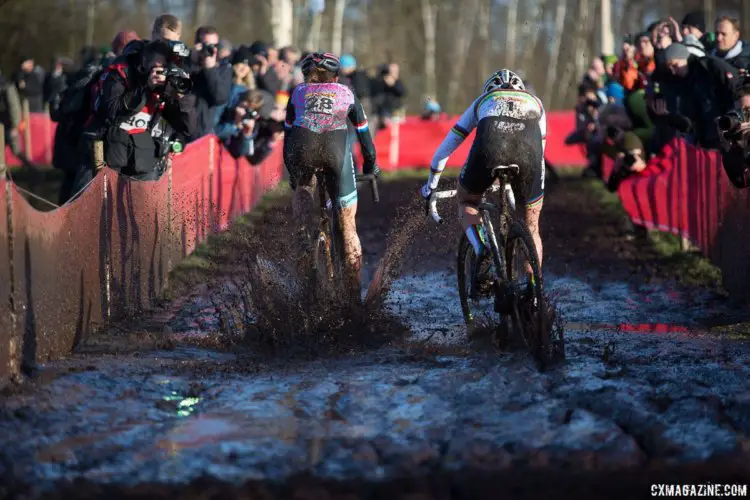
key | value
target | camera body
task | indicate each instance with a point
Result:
(178, 80)
(208, 50)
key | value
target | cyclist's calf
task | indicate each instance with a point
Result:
(468, 213)
(352, 245)
(532, 223)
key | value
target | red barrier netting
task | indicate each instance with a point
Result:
(110, 251)
(411, 144)
(8, 342)
(684, 190)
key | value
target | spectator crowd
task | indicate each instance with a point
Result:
(673, 79)
(144, 99)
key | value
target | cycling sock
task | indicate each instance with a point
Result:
(475, 233)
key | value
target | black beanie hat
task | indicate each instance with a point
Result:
(696, 19)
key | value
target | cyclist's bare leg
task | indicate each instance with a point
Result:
(532, 223)
(352, 249)
(304, 202)
(467, 208)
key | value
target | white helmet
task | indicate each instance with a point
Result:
(503, 79)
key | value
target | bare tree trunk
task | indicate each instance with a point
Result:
(510, 34)
(246, 13)
(142, 23)
(485, 11)
(532, 28)
(608, 40)
(199, 13)
(338, 26)
(581, 53)
(708, 8)
(282, 21)
(71, 30)
(90, 22)
(466, 16)
(429, 19)
(313, 36)
(348, 47)
(557, 37)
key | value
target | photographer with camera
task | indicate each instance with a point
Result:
(143, 111)
(237, 128)
(734, 131)
(212, 82)
(246, 132)
(628, 153)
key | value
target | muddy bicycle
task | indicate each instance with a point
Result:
(326, 240)
(517, 289)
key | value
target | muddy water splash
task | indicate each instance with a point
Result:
(407, 224)
(274, 305)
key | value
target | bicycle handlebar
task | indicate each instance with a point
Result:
(373, 184)
(434, 197)
(439, 195)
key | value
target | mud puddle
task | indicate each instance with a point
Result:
(628, 397)
(620, 400)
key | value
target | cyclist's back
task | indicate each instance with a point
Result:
(510, 128)
(322, 122)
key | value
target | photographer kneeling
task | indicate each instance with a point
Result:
(143, 111)
(734, 132)
(627, 150)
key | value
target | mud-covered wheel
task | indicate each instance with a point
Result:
(528, 308)
(336, 246)
(479, 314)
(321, 269)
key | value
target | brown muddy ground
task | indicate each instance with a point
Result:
(179, 406)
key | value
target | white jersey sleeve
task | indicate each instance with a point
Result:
(452, 141)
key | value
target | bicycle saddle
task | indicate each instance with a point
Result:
(505, 169)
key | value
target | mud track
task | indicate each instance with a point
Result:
(650, 392)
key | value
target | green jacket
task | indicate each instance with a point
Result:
(643, 127)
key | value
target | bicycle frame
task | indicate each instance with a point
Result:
(485, 209)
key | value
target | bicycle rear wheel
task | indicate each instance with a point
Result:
(528, 306)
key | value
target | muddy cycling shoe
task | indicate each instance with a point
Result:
(483, 276)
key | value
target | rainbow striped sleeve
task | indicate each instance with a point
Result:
(460, 131)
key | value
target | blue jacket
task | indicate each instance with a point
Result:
(225, 129)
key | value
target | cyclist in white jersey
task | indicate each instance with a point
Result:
(511, 128)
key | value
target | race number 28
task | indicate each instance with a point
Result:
(319, 104)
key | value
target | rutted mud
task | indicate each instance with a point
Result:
(629, 399)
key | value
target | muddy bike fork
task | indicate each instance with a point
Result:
(498, 257)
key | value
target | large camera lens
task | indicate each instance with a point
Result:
(727, 123)
(183, 85)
